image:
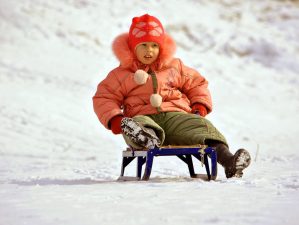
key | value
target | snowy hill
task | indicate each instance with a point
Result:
(58, 164)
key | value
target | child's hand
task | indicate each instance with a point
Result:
(200, 109)
(115, 124)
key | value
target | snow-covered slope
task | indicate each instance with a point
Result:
(58, 164)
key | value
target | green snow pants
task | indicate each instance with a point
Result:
(178, 128)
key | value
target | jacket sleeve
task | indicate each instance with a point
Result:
(108, 99)
(195, 87)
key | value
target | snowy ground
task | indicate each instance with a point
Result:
(58, 165)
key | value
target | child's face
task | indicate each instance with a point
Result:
(147, 52)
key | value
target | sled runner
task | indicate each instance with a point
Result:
(201, 152)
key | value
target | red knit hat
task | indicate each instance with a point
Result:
(145, 28)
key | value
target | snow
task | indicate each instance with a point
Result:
(58, 165)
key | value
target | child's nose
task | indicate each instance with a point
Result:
(149, 48)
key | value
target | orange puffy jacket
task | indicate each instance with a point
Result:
(178, 85)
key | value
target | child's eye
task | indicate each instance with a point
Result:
(155, 45)
(144, 45)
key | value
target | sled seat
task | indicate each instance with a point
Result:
(201, 152)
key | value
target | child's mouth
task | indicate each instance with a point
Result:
(148, 56)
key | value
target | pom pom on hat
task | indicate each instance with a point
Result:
(145, 28)
(156, 100)
(140, 77)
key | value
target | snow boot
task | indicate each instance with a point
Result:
(138, 134)
(233, 164)
(241, 160)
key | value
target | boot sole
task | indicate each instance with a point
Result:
(138, 134)
(242, 161)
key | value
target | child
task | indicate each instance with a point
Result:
(153, 99)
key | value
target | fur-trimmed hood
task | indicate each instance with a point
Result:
(128, 59)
